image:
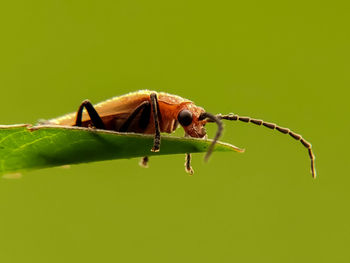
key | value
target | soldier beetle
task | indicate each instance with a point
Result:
(151, 112)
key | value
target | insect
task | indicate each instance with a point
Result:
(151, 112)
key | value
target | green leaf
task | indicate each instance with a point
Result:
(23, 147)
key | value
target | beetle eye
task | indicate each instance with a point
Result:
(185, 117)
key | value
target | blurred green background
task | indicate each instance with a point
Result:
(282, 61)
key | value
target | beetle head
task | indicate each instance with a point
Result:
(189, 119)
(193, 120)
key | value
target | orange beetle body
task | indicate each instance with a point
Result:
(150, 112)
(114, 112)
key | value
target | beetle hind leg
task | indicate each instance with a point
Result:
(95, 118)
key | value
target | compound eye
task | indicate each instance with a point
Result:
(185, 117)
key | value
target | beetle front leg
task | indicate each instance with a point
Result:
(156, 115)
(188, 157)
(188, 166)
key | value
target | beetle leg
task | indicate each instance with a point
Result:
(156, 116)
(144, 120)
(144, 162)
(188, 157)
(145, 107)
(188, 166)
(95, 118)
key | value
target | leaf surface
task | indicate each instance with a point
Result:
(23, 147)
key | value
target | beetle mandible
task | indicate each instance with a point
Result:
(152, 112)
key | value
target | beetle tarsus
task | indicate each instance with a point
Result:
(144, 162)
(155, 149)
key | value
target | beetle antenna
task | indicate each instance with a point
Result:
(273, 126)
(217, 120)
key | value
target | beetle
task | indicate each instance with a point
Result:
(151, 112)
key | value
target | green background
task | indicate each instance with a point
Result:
(282, 61)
